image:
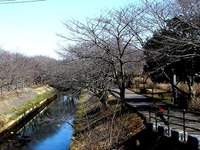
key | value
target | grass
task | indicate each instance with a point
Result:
(168, 97)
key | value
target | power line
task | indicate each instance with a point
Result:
(14, 1)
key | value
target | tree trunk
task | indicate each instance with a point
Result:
(122, 93)
(103, 96)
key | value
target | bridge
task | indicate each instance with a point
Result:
(181, 125)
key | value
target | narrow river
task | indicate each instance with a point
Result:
(51, 129)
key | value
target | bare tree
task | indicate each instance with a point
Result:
(108, 40)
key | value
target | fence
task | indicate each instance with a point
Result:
(179, 120)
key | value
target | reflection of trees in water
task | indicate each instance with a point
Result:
(48, 122)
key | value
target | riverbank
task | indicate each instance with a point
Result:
(98, 127)
(15, 103)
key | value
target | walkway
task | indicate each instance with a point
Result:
(143, 105)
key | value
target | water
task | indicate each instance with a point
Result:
(51, 129)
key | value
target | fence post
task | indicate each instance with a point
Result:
(168, 121)
(156, 120)
(150, 114)
(184, 132)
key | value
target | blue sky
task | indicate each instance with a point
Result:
(30, 28)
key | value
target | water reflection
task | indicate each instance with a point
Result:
(51, 128)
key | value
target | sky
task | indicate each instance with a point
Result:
(31, 28)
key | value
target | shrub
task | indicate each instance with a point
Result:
(197, 90)
(195, 104)
(138, 79)
(183, 87)
(164, 86)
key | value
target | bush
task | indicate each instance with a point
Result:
(164, 86)
(184, 87)
(197, 90)
(138, 80)
(195, 104)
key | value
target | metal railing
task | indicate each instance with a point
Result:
(181, 120)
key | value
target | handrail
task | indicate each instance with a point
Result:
(184, 120)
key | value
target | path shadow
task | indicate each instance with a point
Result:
(139, 100)
(142, 104)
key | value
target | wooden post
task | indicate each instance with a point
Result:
(184, 132)
(156, 120)
(168, 121)
(150, 114)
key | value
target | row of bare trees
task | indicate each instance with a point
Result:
(18, 71)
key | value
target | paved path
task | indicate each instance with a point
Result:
(143, 104)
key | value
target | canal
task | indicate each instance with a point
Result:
(51, 129)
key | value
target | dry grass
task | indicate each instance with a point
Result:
(108, 134)
(139, 81)
(163, 87)
(105, 128)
